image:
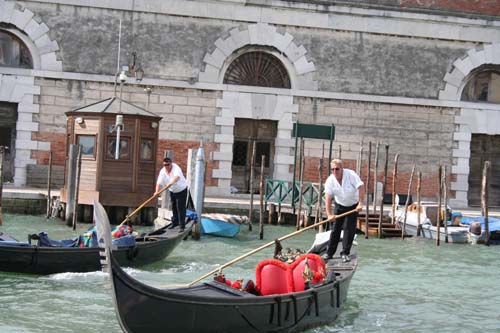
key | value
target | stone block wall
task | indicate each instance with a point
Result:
(419, 134)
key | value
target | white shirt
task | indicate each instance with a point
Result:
(164, 179)
(345, 194)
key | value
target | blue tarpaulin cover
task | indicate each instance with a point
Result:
(493, 222)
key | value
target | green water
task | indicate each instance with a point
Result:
(400, 286)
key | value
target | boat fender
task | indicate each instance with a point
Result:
(132, 252)
(475, 228)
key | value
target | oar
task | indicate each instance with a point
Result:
(127, 218)
(269, 244)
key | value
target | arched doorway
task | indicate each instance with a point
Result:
(13, 53)
(261, 69)
(483, 86)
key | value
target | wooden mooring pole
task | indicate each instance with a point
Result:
(394, 181)
(484, 201)
(407, 201)
(375, 178)
(367, 217)
(360, 158)
(419, 199)
(252, 163)
(384, 186)
(445, 204)
(299, 211)
(49, 186)
(438, 213)
(261, 218)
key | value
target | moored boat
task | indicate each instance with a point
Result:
(428, 226)
(283, 302)
(224, 225)
(477, 228)
(24, 257)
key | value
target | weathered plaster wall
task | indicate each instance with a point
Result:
(380, 65)
(173, 47)
(168, 46)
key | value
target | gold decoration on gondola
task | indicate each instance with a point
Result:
(307, 274)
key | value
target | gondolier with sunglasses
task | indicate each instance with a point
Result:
(345, 189)
(171, 177)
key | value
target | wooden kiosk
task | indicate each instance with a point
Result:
(120, 179)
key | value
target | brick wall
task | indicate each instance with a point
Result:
(487, 7)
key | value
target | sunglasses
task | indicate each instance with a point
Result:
(166, 164)
(335, 169)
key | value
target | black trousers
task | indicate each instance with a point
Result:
(178, 201)
(346, 223)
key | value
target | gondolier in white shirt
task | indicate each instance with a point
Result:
(171, 177)
(345, 189)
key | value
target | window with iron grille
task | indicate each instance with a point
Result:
(257, 68)
(240, 149)
(483, 86)
(13, 52)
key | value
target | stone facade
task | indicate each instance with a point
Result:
(382, 71)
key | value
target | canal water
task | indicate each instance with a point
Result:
(400, 286)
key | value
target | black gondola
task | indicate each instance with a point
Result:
(34, 259)
(215, 307)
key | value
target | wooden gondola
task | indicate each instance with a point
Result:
(33, 259)
(216, 307)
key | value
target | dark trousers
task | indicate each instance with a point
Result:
(346, 223)
(178, 201)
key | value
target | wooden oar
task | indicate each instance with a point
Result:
(127, 218)
(269, 244)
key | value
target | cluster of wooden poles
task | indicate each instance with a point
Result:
(442, 195)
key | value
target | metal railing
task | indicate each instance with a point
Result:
(282, 192)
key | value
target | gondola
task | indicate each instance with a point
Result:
(216, 307)
(22, 257)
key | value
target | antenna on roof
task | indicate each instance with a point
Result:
(118, 60)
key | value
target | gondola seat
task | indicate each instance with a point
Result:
(273, 277)
(316, 265)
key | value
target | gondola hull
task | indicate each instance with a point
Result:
(215, 307)
(51, 260)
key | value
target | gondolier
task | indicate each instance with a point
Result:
(346, 190)
(171, 177)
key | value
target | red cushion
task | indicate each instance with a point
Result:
(273, 277)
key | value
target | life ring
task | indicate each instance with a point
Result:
(132, 253)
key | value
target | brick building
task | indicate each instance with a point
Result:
(420, 76)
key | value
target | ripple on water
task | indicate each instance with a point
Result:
(400, 286)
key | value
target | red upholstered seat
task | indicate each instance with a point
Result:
(316, 264)
(273, 277)
(276, 277)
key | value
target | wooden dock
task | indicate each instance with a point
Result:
(388, 229)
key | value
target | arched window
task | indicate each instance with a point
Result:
(483, 86)
(13, 52)
(257, 68)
